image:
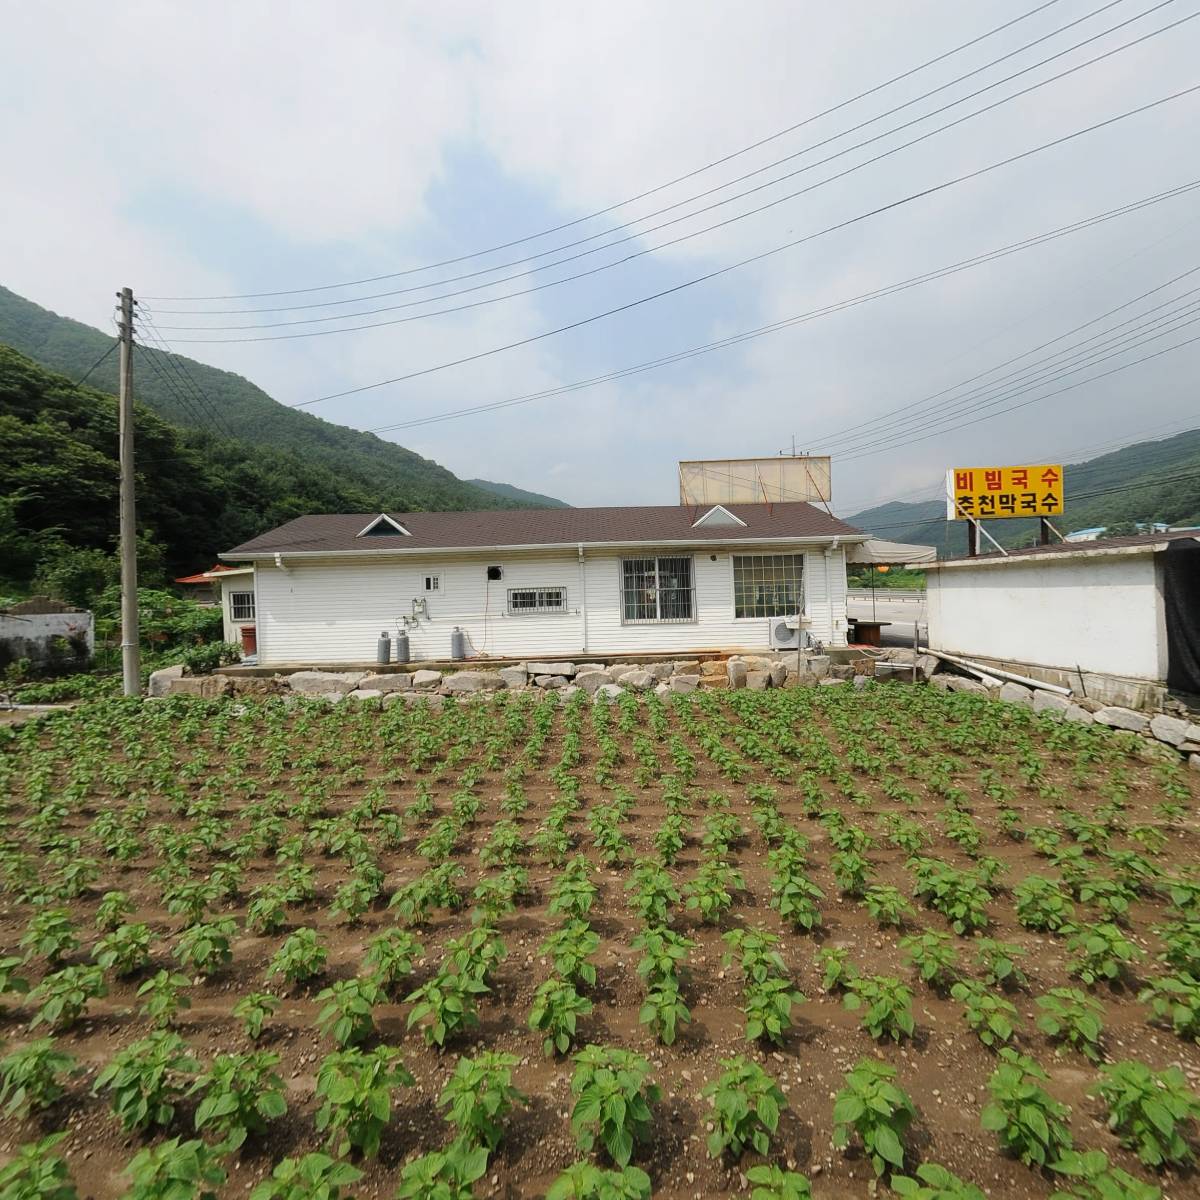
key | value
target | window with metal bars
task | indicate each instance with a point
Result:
(241, 606)
(522, 601)
(658, 589)
(768, 585)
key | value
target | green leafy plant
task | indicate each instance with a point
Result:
(583, 1181)
(1151, 1112)
(445, 1006)
(570, 948)
(1068, 1015)
(50, 935)
(349, 1013)
(1101, 952)
(254, 1010)
(1089, 1177)
(64, 994)
(1032, 1125)
(998, 962)
(31, 1077)
(746, 1104)
(112, 910)
(612, 1100)
(479, 1095)
(146, 1079)
(934, 957)
(934, 1182)
(355, 1089)
(35, 1172)
(663, 1010)
(768, 1007)
(301, 957)
(1042, 905)
(887, 904)
(987, 1013)
(204, 947)
(886, 1005)
(390, 956)
(556, 1010)
(872, 1106)
(1175, 999)
(771, 1182)
(313, 1177)
(442, 1175)
(163, 995)
(124, 951)
(711, 893)
(175, 1170)
(242, 1092)
(837, 971)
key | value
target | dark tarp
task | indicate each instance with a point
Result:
(1181, 598)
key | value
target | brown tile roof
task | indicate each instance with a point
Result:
(337, 533)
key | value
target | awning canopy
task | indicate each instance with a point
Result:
(894, 554)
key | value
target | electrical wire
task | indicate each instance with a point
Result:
(644, 194)
(187, 380)
(702, 195)
(636, 254)
(103, 358)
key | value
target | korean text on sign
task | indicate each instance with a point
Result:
(1029, 491)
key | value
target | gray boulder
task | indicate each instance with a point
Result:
(608, 693)
(1016, 693)
(818, 665)
(941, 683)
(430, 699)
(662, 670)
(514, 677)
(591, 680)
(1122, 718)
(1167, 729)
(427, 681)
(161, 681)
(364, 694)
(400, 681)
(690, 667)
(321, 683)
(581, 667)
(206, 686)
(1050, 702)
(682, 684)
(662, 688)
(735, 672)
(639, 681)
(550, 682)
(1194, 761)
(1078, 714)
(961, 683)
(859, 682)
(550, 668)
(927, 666)
(463, 683)
(833, 682)
(758, 681)
(779, 674)
(565, 693)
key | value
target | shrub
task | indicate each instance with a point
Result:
(756, 953)
(583, 1181)
(112, 910)
(837, 972)
(349, 1014)
(612, 1100)
(175, 1170)
(1072, 1017)
(355, 1088)
(146, 1079)
(1042, 905)
(663, 1009)
(886, 1004)
(1032, 1125)
(1149, 1111)
(301, 957)
(873, 1107)
(30, 1077)
(313, 1177)
(34, 1172)
(998, 961)
(242, 1092)
(886, 904)
(934, 1182)
(63, 995)
(478, 1096)
(254, 1010)
(711, 892)
(746, 1104)
(557, 1006)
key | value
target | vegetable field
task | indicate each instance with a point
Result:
(864, 943)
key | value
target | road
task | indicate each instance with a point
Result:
(900, 608)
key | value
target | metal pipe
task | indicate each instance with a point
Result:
(583, 597)
(996, 672)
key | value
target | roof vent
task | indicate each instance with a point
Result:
(718, 515)
(383, 526)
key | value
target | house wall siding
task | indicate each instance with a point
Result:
(332, 611)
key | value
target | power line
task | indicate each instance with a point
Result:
(187, 380)
(103, 358)
(797, 319)
(642, 195)
(692, 199)
(641, 253)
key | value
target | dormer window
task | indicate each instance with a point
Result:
(384, 526)
(718, 515)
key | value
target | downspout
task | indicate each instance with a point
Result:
(828, 590)
(583, 597)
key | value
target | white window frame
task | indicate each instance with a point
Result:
(432, 583)
(656, 591)
(542, 605)
(234, 598)
(791, 610)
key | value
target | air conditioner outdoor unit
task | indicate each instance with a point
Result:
(785, 633)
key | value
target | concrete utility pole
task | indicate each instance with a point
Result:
(131, 658)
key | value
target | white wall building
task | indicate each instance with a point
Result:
(532, 583)
(1116, 608)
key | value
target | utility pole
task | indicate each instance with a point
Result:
(130, 650)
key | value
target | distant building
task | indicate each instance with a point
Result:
(1086, 535)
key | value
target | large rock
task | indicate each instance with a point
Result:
(662, 689)
(550, 682)
(901, 654)
(581, 667)
(682, 684)
(399, 681)
(712, 667)
(779, 674)
(1050, 702)
(638, 681)
(896, 672)
(927, 666)
(859, 682)
(662, 670)
(207, 686)
(962, 683)
(1122, 718)
(1016, 693)
(608, 693)
(1167, 729)
(591, 680)
(161, 681)
(618, 671)
(565, 693)
(833, 682)
(463, 683)
(1194, 761)
(514, 677)
(550, 668)
(758, 681)
(756, 662)
(364, 694)
(1078, 714)
(735, 673)
(321, 683)
(431, 699)
(427, 681)
(818, 665)
(941, 683)
(689, 667)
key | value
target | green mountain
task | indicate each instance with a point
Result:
(1146, 482)
(506, 491)
(165, 385)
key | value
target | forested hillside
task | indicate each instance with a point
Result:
(197, 494)
(1127, 477)
(506, 491)
(360, 459)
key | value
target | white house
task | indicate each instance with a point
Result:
(232, 589)
(1118, 618)
(530, 583)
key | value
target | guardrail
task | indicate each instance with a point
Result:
(891, 595)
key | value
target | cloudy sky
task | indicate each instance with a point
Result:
(227, 149)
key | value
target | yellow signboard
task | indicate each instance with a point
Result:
(989, 492)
